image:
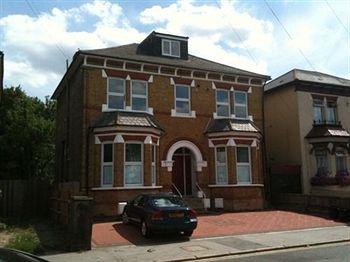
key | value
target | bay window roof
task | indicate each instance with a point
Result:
(129, 119)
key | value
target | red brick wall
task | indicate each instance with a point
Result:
(161, 98)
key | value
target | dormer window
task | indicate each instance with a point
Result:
(170, 47)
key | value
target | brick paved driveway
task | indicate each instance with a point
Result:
(115, 233)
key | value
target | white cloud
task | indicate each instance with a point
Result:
(32, 44)
(228, 32)
(219, 32)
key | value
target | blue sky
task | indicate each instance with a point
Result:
(38, 36)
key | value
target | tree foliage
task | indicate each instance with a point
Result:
(26, 136)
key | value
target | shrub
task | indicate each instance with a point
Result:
(323, 181)
(343, 178)
(25, 240)
(3, 226)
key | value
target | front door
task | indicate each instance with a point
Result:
(182, 171)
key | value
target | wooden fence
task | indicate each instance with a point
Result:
(24, 198)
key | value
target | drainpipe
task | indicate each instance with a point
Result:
(87, 131)
(264, 159)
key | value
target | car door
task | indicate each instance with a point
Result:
(133, 212)
(140, 209)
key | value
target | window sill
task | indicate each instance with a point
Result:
(236, 185)
(175, 114)
(125, 188)
(215, 116)
(127, 109)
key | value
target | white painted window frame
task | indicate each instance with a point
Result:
(183, 100)
(154, 165)
(244, 164)
(324, 109)
(341, 153)
(223, 103)
(115, 93)
(221, 164)
(240, 104)
(138, 96)
(133, 163)
(170, 44)
(103, 164)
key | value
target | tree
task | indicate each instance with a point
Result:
(26, 136)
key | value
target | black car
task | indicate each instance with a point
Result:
(160, 213)
(11, 255)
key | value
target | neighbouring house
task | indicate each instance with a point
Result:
(150, 117)
(307, 124)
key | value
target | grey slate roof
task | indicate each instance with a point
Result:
(307, 76)
(318, 131)
(226, 125)
(131, 119)
(193, 62)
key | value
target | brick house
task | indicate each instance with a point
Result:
(307, 124)
(150, 117)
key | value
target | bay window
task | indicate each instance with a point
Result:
(115, 93)
(182, 99)
(222, 103)
(243, 165)
(107, 164)
(139, 96)
(221, 165)
(321, 161)
(241, 108)
(133, 165)
(340, 160)
(154, 165)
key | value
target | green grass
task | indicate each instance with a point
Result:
(25, 240)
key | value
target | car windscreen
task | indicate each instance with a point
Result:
(168, 201)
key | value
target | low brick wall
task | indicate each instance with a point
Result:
(239, 198)
(324, 204)
(105, 201)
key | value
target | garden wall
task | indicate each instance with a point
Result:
(24, 198)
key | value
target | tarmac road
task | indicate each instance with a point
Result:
(333, 253)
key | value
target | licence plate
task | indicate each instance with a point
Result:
(176, 214)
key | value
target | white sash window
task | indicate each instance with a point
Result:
(243, 165)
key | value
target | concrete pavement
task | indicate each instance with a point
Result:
(182, 249)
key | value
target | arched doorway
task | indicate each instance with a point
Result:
(183, 173)
(184, 160)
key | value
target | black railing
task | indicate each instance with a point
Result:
(326, 122)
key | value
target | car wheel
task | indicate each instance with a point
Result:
(188, 233)
(145, 231)
(125, 218)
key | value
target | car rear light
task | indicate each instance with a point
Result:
(157, 216)
(192, 213)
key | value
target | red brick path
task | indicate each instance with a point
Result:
(115, 233)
